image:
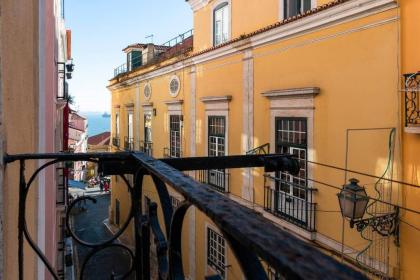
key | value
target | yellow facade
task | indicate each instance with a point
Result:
(338, 69)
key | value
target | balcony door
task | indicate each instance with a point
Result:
(216, 147)
(291, 191)
(175, 135)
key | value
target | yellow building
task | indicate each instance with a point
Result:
(317, 79)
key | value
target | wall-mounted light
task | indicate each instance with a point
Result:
(354, 200)
(154, 112)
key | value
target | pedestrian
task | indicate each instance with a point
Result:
(106, 186)
(101, 185)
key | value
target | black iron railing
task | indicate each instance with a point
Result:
(179, 39)
(129, 143)
(260, 150)
(218, 179)
(116, 141)
(175, 46)
(412, 99)
(168, 153)
(146, 147)
(250, 236)
(296, 207)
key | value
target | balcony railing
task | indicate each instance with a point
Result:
(412, 101)
(129, 143)
(176, 46)
(299, 210)
(168, 153)
(216, 178)
(116, 141)
(146, 147)
(252, 238)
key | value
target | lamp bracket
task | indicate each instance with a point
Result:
(385, 225)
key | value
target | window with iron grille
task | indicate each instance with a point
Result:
(175, 135)
(295, 7)
(216, 253)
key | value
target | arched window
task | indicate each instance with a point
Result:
(221, 24)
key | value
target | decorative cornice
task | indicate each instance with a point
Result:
(197, 4)
(292, 93)
(117, 106)
(147, 104)
(213, 99)
(129, 105)
(340, 13)
(174, 102)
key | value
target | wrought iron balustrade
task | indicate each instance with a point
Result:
(260, 150)
(250, 236)
(129, 143)
(217, 178)
(297, 207)
(146, 147)
(168, 153)
(116, 141)
(412, 99)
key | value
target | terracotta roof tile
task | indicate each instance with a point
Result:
(99, 138)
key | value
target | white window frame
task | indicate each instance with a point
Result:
(281, 7)
(215, 6)
(287, 103)
(117, 124)
(207, 268)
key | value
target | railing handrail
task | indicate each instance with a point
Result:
(182, 36)
(251, 236)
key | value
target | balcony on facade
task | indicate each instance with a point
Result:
(129, 143)
(218, 179)
(116, 141)
(142, 55)
(146, 147)
(290, 202)
(172, 153)
(412, 102)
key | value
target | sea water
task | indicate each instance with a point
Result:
(96, 122)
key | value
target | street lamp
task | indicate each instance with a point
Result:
(353, 201)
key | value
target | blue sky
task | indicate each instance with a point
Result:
(101, 29)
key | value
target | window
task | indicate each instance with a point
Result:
(291, 138)
(216, 251)
(147, 128)
(174, 86)
(130, 133)
(117, 125)
(221, 24)
(175, 135)
(216, 147)
(134, 60)
(295, 7)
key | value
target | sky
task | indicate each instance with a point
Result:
(101, 29)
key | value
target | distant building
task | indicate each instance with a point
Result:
(78, 143)
(97, 143)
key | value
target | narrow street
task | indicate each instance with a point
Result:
(89, 227)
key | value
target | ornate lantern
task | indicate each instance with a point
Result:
(353, 201)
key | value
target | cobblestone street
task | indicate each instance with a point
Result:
(89, 227)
